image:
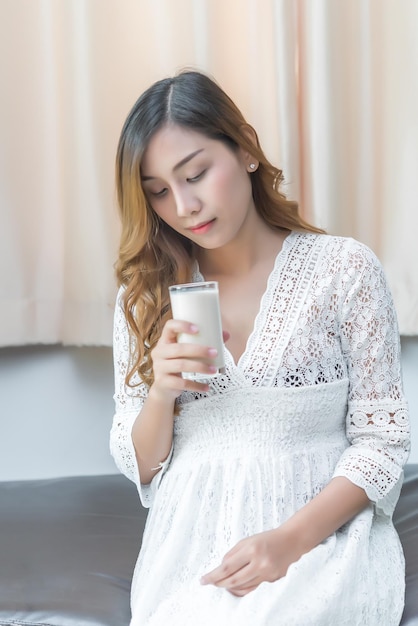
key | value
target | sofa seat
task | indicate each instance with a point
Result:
(68, 548)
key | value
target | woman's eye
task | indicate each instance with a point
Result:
(194, 179)
(158, 194)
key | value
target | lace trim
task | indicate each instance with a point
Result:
(287, 290)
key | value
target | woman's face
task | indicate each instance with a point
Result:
(198, 186)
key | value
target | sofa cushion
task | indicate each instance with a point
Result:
(68, 547)
(67, 550)
(406, 521)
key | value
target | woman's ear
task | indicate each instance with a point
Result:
(250, 161)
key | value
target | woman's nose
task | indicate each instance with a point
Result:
(186, 203)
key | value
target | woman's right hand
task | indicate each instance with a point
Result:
(171, 358)
(152, 432)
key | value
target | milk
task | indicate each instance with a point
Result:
(198, 303)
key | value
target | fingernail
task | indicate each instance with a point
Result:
(212, 351)
(213, 369)
(193, 328)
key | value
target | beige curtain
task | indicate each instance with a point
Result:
(358, 130)
(330, 85)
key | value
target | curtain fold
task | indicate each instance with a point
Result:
(331, 88)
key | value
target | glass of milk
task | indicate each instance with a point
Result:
(198, 303)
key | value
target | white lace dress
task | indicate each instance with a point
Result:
(316, 394)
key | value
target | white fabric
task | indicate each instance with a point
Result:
(316, 394)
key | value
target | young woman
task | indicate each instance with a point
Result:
(271, 486)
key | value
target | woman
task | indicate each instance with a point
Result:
(270, 486)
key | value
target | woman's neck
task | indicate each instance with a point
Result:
(241, 257)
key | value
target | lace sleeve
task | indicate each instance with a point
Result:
(128, 404)
(377, 419)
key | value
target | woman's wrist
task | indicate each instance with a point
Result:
(297, 535)
(164, 403)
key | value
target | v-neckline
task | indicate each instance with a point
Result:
(286, 244)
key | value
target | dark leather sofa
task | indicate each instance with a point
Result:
(68, 547)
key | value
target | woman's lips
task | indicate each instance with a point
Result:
(203, 228)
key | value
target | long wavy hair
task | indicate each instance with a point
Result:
(152, 255)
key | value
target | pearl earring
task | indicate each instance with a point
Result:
(252, 166)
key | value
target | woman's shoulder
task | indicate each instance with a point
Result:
(347, 249)
(119, 294)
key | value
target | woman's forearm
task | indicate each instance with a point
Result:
(152, 434)
(334, 506)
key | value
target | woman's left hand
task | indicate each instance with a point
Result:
(256, 559)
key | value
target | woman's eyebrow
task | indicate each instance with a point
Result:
(178, 165)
